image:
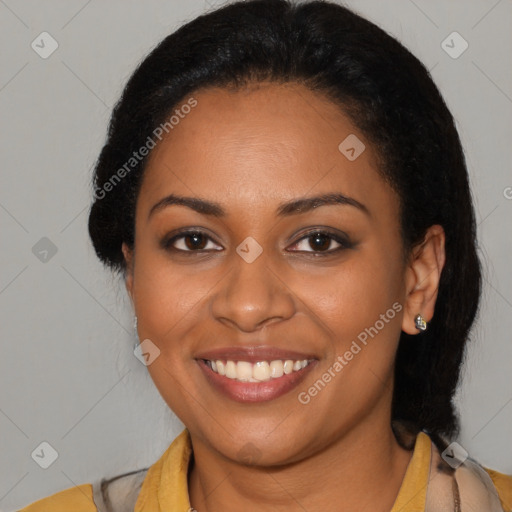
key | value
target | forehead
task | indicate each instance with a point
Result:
(267, 143)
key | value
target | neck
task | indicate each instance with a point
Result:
(362, 470)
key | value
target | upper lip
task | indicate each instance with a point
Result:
(253, 354)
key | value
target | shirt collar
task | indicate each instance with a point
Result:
(165, 487)
(413, 491)
(166, 484)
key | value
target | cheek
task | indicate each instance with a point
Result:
(347, 297)
(359, 304)
(353, 296)
(170, 298)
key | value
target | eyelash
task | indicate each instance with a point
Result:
(342, 240)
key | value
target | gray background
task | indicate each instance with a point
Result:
(68, 373)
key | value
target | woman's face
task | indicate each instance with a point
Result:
(258, 284)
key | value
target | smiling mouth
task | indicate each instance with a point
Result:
(257, 381)
(260, 371)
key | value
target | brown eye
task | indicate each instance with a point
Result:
(321, 242)
(195, 241)
(189, 241)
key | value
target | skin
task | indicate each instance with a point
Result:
(251, 150)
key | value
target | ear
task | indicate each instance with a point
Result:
(422, 278)
(128, 258)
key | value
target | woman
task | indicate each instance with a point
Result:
(285, 193)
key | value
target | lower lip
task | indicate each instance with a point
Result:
(255, 391)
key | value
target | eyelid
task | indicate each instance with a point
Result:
(341, 238)
(171, 238)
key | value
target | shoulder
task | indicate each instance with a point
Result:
(77, 499)
(503, 484)
(121, 490)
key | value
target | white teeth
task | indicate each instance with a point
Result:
(230, 369)
(288, 366)
(276, 369)
(260, 371)
(243, 371)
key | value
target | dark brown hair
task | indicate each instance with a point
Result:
(388, 94)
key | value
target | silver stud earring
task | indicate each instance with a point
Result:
(420, 323)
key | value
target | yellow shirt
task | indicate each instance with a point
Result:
(165, 487)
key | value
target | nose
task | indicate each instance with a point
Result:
(252, 295)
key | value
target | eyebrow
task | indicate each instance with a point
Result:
(294, 207)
